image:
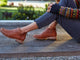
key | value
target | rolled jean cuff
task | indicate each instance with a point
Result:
(45, 19)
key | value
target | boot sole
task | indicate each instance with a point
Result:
(48, 38)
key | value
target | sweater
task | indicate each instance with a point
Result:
(66, 11)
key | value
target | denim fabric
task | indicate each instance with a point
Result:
(67, 3)
(70, 25)
(45, 19)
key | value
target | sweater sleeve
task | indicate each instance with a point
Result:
(69, 12)
(66, 11)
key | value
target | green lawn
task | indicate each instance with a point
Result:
(8, 9)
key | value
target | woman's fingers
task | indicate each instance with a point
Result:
(49, 7)
(51, 4)
(48, 10)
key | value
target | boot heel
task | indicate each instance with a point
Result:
(19, 41)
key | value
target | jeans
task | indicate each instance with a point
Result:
(70, 25)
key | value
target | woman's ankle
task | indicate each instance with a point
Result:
(22, 30)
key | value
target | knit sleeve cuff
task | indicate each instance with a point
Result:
(55, 8)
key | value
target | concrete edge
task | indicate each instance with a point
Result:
(19, 23)
(41, 54)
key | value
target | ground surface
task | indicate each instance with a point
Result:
(64, 46)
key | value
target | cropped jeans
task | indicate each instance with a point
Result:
(72, 26)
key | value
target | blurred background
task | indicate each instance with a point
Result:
(23, 9)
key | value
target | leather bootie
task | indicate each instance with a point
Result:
(47, 34)
(15, 34)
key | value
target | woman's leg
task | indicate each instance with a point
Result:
(52, 25)
(28, 28)
(49, 33)
(45, 19)
(20, 33)
(72, 26)
(40, 22)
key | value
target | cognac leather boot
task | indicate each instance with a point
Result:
(15, 34)
(47, 34)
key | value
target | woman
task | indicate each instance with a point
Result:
(50, 31)
(70, 25)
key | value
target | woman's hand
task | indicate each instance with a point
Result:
(49, 7)
(55, 8)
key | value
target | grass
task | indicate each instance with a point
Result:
(8, 9)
